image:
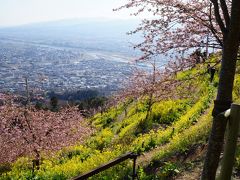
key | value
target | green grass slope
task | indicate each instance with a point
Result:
(173, 127)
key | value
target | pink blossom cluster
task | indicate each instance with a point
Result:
(178, 25)
(31, 132)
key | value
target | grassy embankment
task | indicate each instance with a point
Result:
(174, 127)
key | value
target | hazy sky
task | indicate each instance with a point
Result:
(15, 12)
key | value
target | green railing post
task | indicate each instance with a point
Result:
(231, 143)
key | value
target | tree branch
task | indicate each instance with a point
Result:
(218, 16)
(225, 13)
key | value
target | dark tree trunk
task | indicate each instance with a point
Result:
(149, 109)
(224, 96)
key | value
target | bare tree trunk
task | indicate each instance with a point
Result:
(150, 100)
(149, 109)
(224, 96)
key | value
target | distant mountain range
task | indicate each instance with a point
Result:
(93, 27)
(77, 33)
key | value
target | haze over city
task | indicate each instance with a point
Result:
(64, 41)
(15, 12)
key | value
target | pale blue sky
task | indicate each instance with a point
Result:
(16, 12)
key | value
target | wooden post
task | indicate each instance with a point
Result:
(134, 166)
(231, 143)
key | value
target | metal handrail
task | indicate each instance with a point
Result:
(112, 163)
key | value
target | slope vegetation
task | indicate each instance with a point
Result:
(174, 130)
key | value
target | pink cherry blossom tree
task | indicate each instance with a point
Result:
(178, 26)
(30, 132)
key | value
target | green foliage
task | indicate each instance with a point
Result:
(107, 118)
(120, 171)
(182, 140)
(86, 105)
(4, 168)
(129, 125)
(168, 111)
(168, 169)
(161, 136)
(236, 89)
(51, 169)
(54, 104)
(102, 139)
(142, 175)
(68, 153)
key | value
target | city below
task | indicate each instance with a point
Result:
(60, 64)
